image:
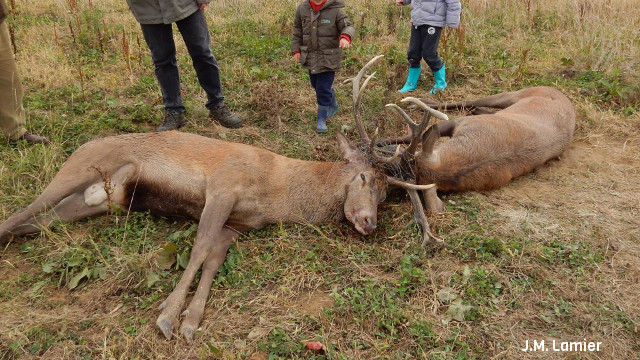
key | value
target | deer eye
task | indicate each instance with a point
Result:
(364, 180)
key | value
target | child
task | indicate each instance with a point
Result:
(428, 17)
(321, 30)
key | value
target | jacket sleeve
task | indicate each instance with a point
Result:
(453, 13)
(200, 2)
(296, 38)
(406, 2)
(344, 24)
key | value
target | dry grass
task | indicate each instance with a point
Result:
(553, 255)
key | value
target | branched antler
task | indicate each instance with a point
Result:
(357, 95)
(400, 163)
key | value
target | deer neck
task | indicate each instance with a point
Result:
(319, 191)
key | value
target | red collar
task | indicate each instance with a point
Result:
(316, 7)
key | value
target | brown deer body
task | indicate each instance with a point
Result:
(486, 151)
(227, 187)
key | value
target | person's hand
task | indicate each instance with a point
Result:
(296, 57)
(344, 44)
(202, 6)
(399, 2)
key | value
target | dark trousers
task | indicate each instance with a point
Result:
(322, 83)
(195, 33)
(423, 44)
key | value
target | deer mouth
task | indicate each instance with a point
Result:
(364, 224)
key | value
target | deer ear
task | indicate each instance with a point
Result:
(349, 151)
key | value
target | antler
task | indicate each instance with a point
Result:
(357, 94)
(407, 156)
(416, 129)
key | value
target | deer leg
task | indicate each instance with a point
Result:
(216, 257)
(71, 208)
(428, 239)
(213, 217)
(71, 201)
(433, 203)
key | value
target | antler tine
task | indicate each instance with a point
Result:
(424, 106)
(428, 239)
(357, 92)
(416, 129)
(378, 158)
(408, 185)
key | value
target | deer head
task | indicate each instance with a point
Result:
(400, 166)
(366, 188)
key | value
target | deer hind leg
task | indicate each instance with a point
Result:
(216, 257)
(71, 208)
(213, 217)
(70, 203)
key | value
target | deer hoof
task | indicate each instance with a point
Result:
(165, 326)
(187, 331)
(162, 306)
(185, 313)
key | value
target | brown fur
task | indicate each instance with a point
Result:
(487, 151)
(228, 187)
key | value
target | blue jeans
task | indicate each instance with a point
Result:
(423, 44)
(195, 33)
(322, 83)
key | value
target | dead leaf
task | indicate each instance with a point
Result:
(260, 355)
(258, 332)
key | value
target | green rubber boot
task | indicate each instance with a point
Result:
(439, 77)
(412, 80)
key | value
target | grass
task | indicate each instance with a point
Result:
(553, 255)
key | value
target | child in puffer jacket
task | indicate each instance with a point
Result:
(321, 30)
(428, 17)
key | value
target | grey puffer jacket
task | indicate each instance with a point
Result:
(4, 11)
(163, 11)
(316, 34)
(435, 12)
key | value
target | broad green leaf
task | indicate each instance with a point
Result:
(48, 268)
(76, 279)
(73, 262)
(152, 278)
(183, 259)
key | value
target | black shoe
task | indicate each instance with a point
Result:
(172, 120)
(34, 139)
(222, 114)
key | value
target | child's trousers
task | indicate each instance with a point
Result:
(322, 83)
(423, 44)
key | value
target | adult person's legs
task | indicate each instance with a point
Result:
(195, 32)
(12, 117)
(159, 38)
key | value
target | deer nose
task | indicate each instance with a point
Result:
(369, 224)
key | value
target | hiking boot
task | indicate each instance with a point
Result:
(222, 114)
(33, 138)
(172, 120)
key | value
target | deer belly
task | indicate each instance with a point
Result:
(160, 200)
